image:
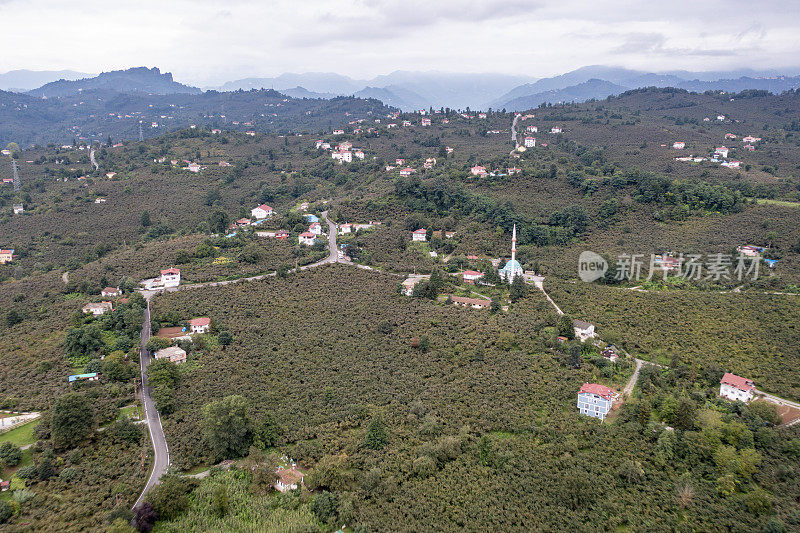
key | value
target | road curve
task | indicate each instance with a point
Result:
(92, 159)
(160, 450)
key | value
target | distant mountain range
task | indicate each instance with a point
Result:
(599, 82)
(409, 91)
(133, 80)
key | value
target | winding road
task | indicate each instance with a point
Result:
(160, 451)
(93, 160)
(161, 460)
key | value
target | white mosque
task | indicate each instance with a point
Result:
(512, 269)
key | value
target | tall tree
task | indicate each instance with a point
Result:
(72, 420)
(227, 427)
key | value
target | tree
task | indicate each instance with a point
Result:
(10, 455)
(685, 414)
(145, 517)
(162, 372)
(83, 340)
(376, 437)
(227, 427)
(565, 327)
(575, 356)
(224, 337)
(171, 496)
(518, 289)
(145, 221)
(324, 506)
(218, 221)
(424, 343)
(72, 420)
(155, 344)
(5, 511)
(267, 433)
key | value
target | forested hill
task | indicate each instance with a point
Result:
(141, 79)
(100, 114)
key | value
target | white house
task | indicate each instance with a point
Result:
(530, 142)
(315, 228)
(288, 478)
(722, 151)
(420, 235)
(555, 130)
(359, 154)
(595, 400)
(426, 122)
(583, 330)
(200, 325)
(750, 139)
(345, 228)
(171, 277)
(730, 164)
(679, 145)
(262, 211)
(471, 276)
(6, 256)
(18, 209)
(478, 170)
(736, 388)
(173, 354)
(338, 132)
(97, 309)
(720, 117)
(532, 129)
(307, 238)
(110, 291)
(407, 171)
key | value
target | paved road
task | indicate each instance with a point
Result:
(539, 282)
(160, 450)
(93, 160)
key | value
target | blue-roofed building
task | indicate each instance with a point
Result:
(512, 268)
(311, 218)
(92, 376)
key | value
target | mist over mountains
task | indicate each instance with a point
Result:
(409, 90)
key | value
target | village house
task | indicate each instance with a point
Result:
(288, 478)
(18, 209)
(471, 276)
(307, 238)
(171, 277)
(110, 291)
(359, 154)
(100, 200)
(532, 129)
(173, 354)
(406, 123)
(474, 303)
(193, 167)
(730, 136)
(478, 170)
(261, 212)
(224, 164)
(407, 171)
(216, 131)
(750, 139)
(530, 142)
(583, 330)
(91, 376)
(720, 117)
(6, 256)
(420, 235)
(426, 122)
(338, 132)
(242, 222)
(679, 145)
(555, 130)
(731, 164)
(749, 147)
(345, 228)
(282, 234)
(97, 309)
(110, 175)
(200, 325)
(5, 484)
(315, 228)
(750, 250)
(399, 161)
(736, 388)
(611, 354)
(343, 156)
(722, 151)
(596, 400)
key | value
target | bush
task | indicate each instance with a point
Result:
(324, 506)
(10, 455)
(5, 511)
(171, 497)
(27, 472)
(69, 474)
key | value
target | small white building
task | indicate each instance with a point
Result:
(736, 388)
(288, 478)
(595, 400)
(345, 228)
(583, 330)
(262, 211)
(407, 171)
(200, 325)
(420, 235)
(722, 151)
(307, 238)
(6, 256)
(555, 130)
(110, 291)
(315, 228)
(173, 354)
(679, 145)
(530, 142)
(478, 170)
(171, 277)
(471, 276)
(532, 129)
(18, 209)
(98, 309)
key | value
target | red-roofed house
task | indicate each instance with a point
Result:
(420, 235)
(478, 170)
(200, 325)
(471, 276)
(288, 478)
(171, 277)
(595, 400)
(736, 388)
(407, 171)
(307, 238)
(110, 291)
(262, 211)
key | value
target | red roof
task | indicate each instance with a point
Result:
(202, 321)
(739, 382)
(420, 231)
(472, 273)
(265, 207)
(171, 271)
(596, 388)
(307, 234)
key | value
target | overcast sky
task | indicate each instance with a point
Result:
(203, 42)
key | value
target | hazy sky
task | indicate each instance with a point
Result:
(204, 42)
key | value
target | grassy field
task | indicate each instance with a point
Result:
(782, 203)
(131, 411)
(22, 435)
